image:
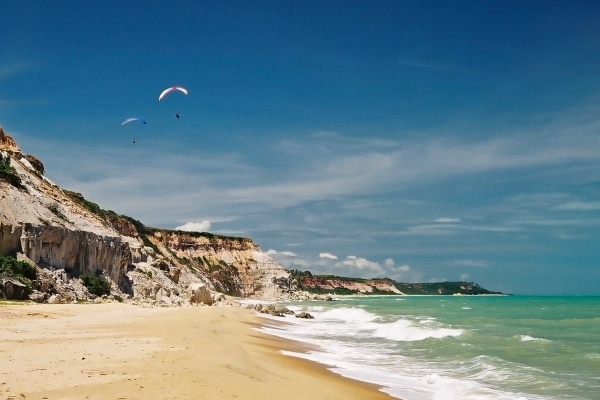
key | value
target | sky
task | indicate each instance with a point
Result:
(416, 140)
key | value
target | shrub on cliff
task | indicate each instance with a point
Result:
(12, 267)
(8, 172)
(19, 270)
(96, 284)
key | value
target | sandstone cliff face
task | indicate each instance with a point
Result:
(234, 266)
(57, 231)
(6, 142)
(363, 286)
(75, 251)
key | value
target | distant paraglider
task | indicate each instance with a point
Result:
(172, 89)
(128, 120)
(160, 97)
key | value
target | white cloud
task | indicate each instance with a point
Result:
(579, 206)
(363, 264)
(328, 255)
(203, 226)
(272, 252)
(448, 220)
(390, 265)
(400, 273)
(360, 166)
(464, 277)
(403, 268)
(430, 229)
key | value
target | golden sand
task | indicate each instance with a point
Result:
(120, 351)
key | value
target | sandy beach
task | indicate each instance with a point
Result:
(120, 351)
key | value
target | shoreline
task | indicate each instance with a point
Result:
(121, 351)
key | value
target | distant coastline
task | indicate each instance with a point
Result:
(338, 285)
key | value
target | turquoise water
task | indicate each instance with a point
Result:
(457, 347)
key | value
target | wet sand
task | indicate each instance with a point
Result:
(120, 351)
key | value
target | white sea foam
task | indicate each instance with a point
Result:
(413, 382)
(405, 330)
(527, 338)
(348, 315)
(398, 353)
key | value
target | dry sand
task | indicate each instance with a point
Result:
(120, 351)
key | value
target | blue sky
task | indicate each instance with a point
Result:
(418, 140)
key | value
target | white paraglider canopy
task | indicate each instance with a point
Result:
(128, 120)
(172, 89)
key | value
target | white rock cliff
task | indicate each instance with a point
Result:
(58, 230)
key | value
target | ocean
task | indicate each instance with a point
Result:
(455, 347)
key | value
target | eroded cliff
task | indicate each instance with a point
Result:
(59, 230)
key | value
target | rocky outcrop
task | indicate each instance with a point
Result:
(35, 163)
(200, 294)
(7, 142)
(274, 309)
(12, 289)
(304, 315)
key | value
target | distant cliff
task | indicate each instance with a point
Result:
(336, 285)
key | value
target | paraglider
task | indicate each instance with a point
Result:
(128, 120)
(177, 115)
(172, 89)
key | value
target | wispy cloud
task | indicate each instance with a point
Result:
(6, 102)
(203, 226)
(335, 165)
(448, 220)
(468, 263)
(325, 166)
(272, 252)
(431, 66)
(579, 206)
(8, 70)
